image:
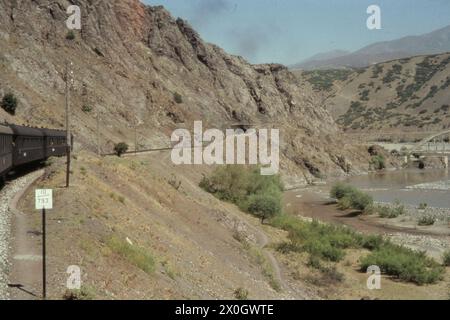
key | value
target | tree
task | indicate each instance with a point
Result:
(264, 206)
(120, 148)
(9, 103)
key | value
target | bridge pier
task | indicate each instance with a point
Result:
(446, 162)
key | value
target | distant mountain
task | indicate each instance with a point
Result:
(431, 43)
(321, 57)
(409, 94)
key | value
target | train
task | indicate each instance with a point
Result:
(22, 145)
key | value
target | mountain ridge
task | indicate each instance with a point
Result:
(435, 42)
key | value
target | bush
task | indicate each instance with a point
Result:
(371, 242)
(404, 263)
(120, 148)
(134, 255)
(86, 109)
(350, 197)
(320, 240)
(178, 98)
(378, 162)
(446, 258)
(345, 203)
(247, 188)
(390, 212)
(9, 103)
(423, 206)
(241, 294)
(426, 221)
(340, 190)
(264, 206)
(361, 201)
(328, 242)
(85, 293)
(70, 35)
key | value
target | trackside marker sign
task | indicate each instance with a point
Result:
(44, 199)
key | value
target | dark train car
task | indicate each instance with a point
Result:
(28, 145)
(6, 152)
(55, 143)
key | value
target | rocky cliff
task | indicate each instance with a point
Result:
(137, 67)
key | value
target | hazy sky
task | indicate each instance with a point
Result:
(288, 31)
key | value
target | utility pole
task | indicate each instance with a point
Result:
(69, 74)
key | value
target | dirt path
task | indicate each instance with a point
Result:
(25, 256)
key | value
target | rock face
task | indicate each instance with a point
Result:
(136, 66)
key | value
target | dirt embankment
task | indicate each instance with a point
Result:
(159, 209)
(200, 247)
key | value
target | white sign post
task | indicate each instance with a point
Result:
(44, 200)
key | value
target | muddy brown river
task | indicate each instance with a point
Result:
(411, 186)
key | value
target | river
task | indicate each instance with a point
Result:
(409, 186)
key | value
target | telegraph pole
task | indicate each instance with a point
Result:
(69, 73)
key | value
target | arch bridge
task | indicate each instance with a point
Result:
(436, 145)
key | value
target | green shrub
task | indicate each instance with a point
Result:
(423, 206)
(340, 190)
(314, 262)
(320, 240)
(9, 103)
(371, 242)
(350, 197)
(390, 212)
(378, 162)
(446, 258)
(426, 221)
(70, 35)
(345, 203)
(134, 255)
(328, 242)
(86, 108)
(404, 263)
(361, 201)
(241, 294)
(247, 188)
(120, 148)
(178, 98)
(85, 293)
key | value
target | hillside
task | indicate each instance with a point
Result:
(435, 42)
(405, 95)
(135, 65)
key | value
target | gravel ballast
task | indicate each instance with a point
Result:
(7, 193)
